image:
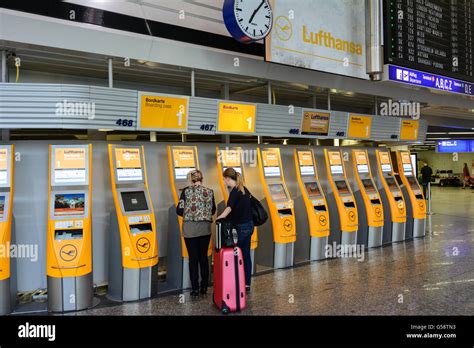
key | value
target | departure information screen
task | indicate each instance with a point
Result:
(431, 35)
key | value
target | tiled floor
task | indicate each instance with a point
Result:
(433, 275)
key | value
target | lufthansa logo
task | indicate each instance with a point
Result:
(322, 220)
(143, 245)
(287, 225)
(421, 205)
(351, 215)
(68, 252)
(378, 212)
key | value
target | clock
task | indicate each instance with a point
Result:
(248, 20)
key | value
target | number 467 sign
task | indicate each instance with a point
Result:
(236, 118)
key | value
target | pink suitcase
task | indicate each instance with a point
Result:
(229, 279)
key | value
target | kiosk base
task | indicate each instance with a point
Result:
(70, 293)
(318, 248)
(349, 238)
(419, 228)
(283, 255)
(398, 231)
(375, 237)
(134, 284)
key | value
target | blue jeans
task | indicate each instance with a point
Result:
(244, 233)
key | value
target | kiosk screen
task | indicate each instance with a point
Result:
(69, 204)
(272, 171)
(386, 168)
(407, 169)
(278, 193)
(413, 183)
(181, 173)
(3, 177)
(368, 186)
(307, 170)
(337, 170)
(134, 201)
(341, 186)
(2, 206)
(392, 184)
(362, 168)
(312, 189)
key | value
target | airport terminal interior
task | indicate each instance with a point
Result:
(351, 122)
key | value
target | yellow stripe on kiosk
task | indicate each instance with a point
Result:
(69, 230)
(280, 207)
(346, 205)
(371, 198)
(232, 158)
(314, 200)
(416, 212)
(394, 195)
(7, 233)
(134, 248)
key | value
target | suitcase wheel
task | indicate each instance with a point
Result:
(225, 309)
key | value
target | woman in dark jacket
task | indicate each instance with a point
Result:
(239, 211)
(197, 206)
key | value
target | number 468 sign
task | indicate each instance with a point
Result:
(162, 112)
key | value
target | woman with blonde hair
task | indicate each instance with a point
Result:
(197, 206)
(239, 211)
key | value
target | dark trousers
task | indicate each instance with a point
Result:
(425, 188)
(197, 251)
(244, 232)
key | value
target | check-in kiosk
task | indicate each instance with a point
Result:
(133, 265)
(314, 200)
(415, 202)
(69, 232)
(392, 198)
(232, 158)
(182, 160)
(276, 252)
(368, 200)
(345, 202)
(8, 287)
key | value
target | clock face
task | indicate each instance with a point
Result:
(254, 17)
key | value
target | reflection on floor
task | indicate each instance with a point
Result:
(434, 275)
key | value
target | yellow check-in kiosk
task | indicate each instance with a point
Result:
(182, 160)
(232, 158)
(392, 198)
(8, 287)
(133, 264)
(414, 199)
(279, 251)
(368, 200)
(69, 231)
(314, 200)
(345, 202)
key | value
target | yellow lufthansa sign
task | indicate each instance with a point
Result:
(236, 118)
(159, 112)
(409, 130)
(359, 126)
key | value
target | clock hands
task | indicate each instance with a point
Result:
(255, 12)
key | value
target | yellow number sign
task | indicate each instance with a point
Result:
(359, 126)
(158, 112)
(236, 118)
(409, 130)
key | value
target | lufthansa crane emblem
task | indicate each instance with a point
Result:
(351, 215)
(322, 220)
(68, 252)
(143, 245)
(288, 225)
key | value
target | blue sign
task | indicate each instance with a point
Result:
(422, 79)
(455, 146)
